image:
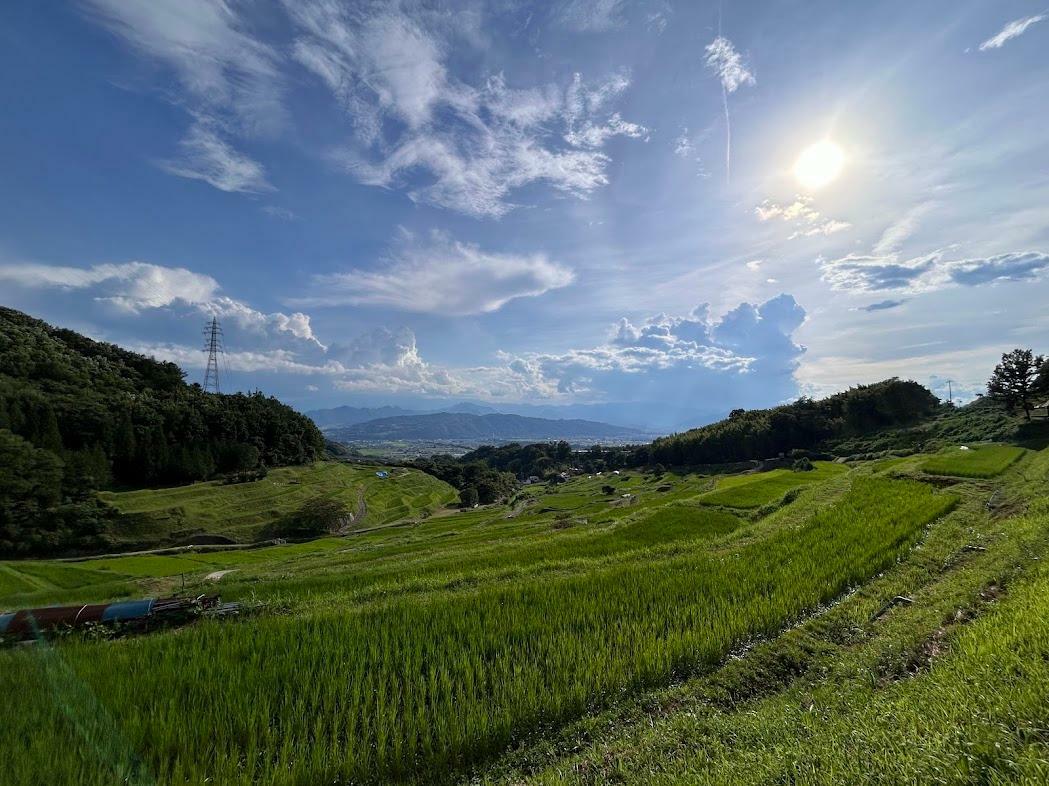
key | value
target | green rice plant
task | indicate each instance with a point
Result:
(422, 687)
(984, 461)
(243, 511)
(753, 491)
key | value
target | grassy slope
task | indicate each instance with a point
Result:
(753, 491)
(980, 461)
(243, 511)
(915, 694)
(521, 620)
(867, 692)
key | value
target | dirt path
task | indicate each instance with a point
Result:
(357, 516)
(218, 574)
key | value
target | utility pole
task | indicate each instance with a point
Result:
(213, 346)
(950, 392)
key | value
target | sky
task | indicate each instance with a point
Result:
(644, 211)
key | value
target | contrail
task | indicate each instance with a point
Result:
(725, 61)
(728, 136)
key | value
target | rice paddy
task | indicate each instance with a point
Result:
(983, 461)
(753, 491)
(419, 652)
(243, 511)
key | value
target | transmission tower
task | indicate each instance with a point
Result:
(213, 346)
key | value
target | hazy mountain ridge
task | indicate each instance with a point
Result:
(496, 426)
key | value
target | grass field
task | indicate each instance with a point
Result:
(243, 511)
(753, 491)
(984, 461)
(502, 643)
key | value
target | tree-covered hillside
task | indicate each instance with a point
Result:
(802, 425)
(78, 415)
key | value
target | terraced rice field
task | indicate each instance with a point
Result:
(753, 491)
(243, 511)
(411, 651)
(983, 461)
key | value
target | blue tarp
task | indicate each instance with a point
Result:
(5, 620)
(127, 610)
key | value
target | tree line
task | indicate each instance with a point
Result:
(77, 415)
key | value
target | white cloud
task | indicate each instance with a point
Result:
(219, 63)
(872, 273)
(806, 220)
(755, 264)
(592, 16)
(901, 230)
(135, 287)
(443, 276)
(232, 81)
(475, 143)
(747, 356)
(723, 59)
(683, 147)
(276, 211)
(1012, 30)
(130, 285)
(205, 156)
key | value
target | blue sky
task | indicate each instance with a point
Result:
(584, 204)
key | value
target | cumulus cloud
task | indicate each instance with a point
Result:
(801, 216)
(475, 143)
(135, 287)
(204, 155)
(443, 276)
(871, 273)
(1012, 30)
(748, 355)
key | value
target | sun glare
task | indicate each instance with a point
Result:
(819, 164)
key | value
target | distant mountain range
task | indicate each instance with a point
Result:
(459, 425)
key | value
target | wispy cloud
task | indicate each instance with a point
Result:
(723, 59)
(871, 273)
(203, 155)
(1012, 30)
(443, 276)
(802, 216)
(901, 230)
(591, 16)
(232, 82)
(475, 143)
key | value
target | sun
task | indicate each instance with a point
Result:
(819, 164)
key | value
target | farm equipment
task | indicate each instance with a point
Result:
(128, 615)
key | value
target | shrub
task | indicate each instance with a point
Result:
(318, 516)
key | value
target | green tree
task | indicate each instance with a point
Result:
(469, 497)
(1013, 380)
(317, 516)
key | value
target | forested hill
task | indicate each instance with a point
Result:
(77, 414)
(802, 425)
